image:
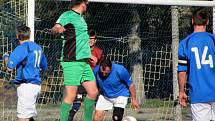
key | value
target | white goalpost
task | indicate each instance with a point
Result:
(31, 15)
(161, 2)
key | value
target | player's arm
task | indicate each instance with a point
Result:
(182, 73)
(126, 78)
(60, 23)
(95, 71)
(16, 57)
(57, 29)
(5, 58)
(182, 82)
(43, 64)
(102, 56)
(93, 60)
(134, 100)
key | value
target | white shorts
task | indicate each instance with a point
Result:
(27, 95)
(105, 103)
(203, 111)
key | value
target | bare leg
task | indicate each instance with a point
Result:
(23, 119)
(99, 115)
(91, 89)
(69, 96)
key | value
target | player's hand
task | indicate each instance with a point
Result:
(93, 59)
(135, 104)
(58, 29)
(5, 58)
(183, 99)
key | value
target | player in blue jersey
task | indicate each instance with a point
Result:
(196, 64)
(28, 59)
(115, 86)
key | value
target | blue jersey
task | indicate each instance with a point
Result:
(116, 84)
(28, 58)
(197, 57)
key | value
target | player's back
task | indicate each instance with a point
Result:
(200, 50)
(115, 84)
(30, 60)
(35, 59)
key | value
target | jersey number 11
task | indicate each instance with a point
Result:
(38, 58)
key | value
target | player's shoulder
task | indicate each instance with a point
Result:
(97, 49)
(32, 45)
(96, 68)
(211, 35)
(118, 67)
(186, 38)
(21, 47)
(68, 13)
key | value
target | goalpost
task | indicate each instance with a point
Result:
(31, 17)
(161, 2)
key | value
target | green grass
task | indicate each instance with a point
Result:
(156, 103)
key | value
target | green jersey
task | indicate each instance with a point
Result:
(75, 38)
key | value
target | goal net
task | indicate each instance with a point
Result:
(139, 36)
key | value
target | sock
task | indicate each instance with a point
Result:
(71, 114)
(31, 119)
(88, 109)
(64, 111)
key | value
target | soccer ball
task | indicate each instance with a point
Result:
(129, 118)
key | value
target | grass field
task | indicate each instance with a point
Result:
(151, 110)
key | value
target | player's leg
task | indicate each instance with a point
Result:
(26, 106)
(74, 110)
(119, 106)
(26, 119)
(90, 86)
(89, 82)
(201, 112)
(213, 110)
(69, 96)
(89, 100)
(118, 113)
(102, 105)
(72, 75)
(77, 103)
(99, 115)
(31, 119)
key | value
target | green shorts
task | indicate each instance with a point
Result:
(75, 73)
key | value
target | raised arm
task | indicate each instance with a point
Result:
(58, 29)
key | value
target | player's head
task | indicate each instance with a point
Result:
(23, 33)
(80, 4)
(200, 17)
(105, 67)
(93, 37)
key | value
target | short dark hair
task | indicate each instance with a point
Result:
(91, 32)
(200, 16)
(106, 63)
(23, 32)
(77, 2)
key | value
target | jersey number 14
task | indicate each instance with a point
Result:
(203, 59)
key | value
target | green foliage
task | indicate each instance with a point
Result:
(3, 1)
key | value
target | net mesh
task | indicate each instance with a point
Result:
(136, 36)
